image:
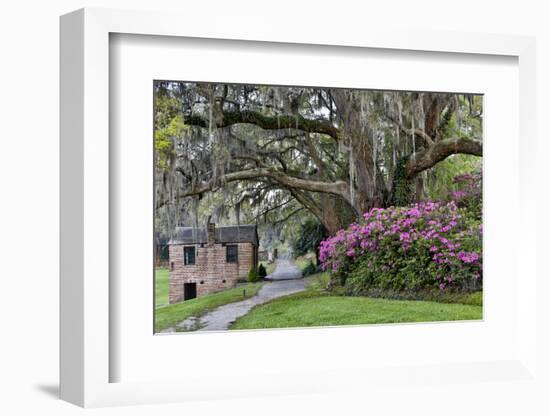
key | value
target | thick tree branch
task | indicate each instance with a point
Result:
(429, 157)
(307, 202)
(261, 214)
(257, 160)
(268, 122)
(337, 188)
(280, 138)
(289, 216)
(417, 132)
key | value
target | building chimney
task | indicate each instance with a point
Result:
(210, 228)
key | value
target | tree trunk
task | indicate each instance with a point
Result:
(366, 181)
(367, 187)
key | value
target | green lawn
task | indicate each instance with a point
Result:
(161, 287)
(170, 315)
(315, 307)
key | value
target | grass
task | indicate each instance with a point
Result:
(161, 287)
(170, 315)
(435, 295)
(318, 282)
(316, 307)
(475, 298)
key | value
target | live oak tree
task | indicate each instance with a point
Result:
(274, 153)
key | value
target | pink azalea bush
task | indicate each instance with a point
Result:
(468, 194)
(426, 245)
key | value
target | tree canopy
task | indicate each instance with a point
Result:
(274, 154)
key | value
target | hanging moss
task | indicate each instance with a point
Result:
(402, 187)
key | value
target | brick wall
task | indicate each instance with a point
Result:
(210, 269)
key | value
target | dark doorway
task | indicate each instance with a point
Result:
(189, 291)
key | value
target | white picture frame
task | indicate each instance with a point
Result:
(86, 351)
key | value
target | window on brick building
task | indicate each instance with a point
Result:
(189, 255)
(232, 253)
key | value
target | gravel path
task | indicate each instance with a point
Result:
(285, 280)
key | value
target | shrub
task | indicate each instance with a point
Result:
(262, 272)
(468, 193)
(310, 269)
(424, 246)
(252, 275)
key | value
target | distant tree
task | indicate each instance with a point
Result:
(311, 233)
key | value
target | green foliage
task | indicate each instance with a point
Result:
(409, 276)
(168, 126)
(424, 263)
(402, 187)
(310, 235)
(166, 109)
(410, 250)
(268, 266)
(310, 269)
(468, 194)
(262, 272)
(252, 275)
(164, 138)
(303, 261)
(319, 282)
(440, 180)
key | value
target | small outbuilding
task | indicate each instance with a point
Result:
(206, 260)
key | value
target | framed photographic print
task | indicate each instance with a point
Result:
(269, 214)
(300, 206)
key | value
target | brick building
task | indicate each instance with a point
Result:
(207, 260)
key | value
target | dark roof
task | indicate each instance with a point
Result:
(228, 234)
